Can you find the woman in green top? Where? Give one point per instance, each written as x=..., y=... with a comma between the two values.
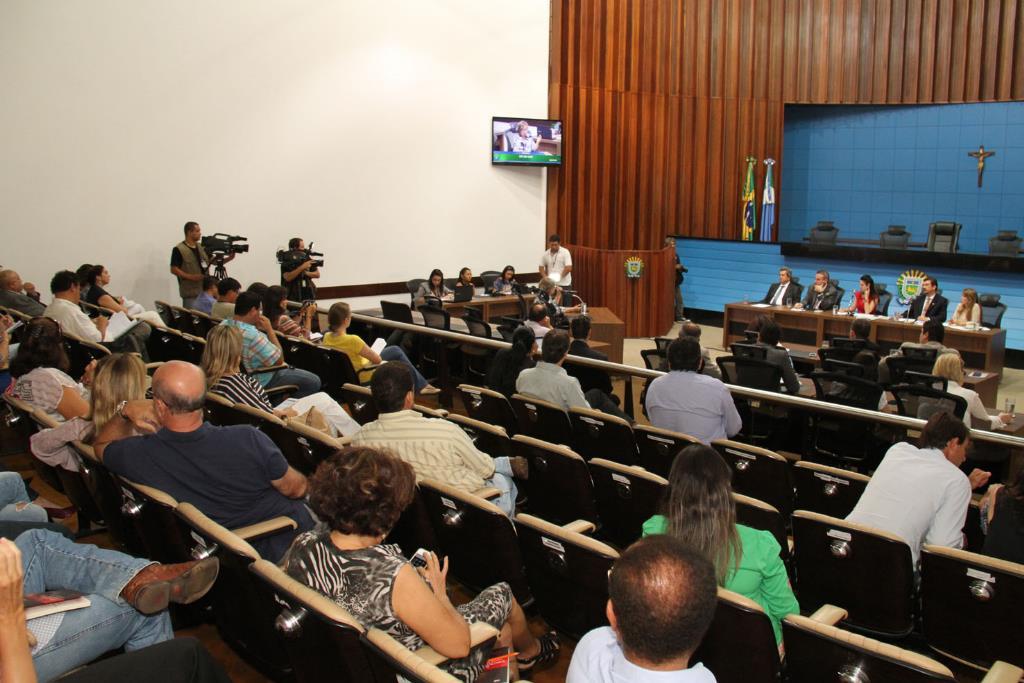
x=699, y=509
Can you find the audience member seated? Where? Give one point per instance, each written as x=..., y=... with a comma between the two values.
x=550, y=295
x=692, y=330
x=508, y=363
x=208, y=297
x=465, y=278
x=128, y=601
x=769, y=337
x=951, y=366
x=699, y=510
x=861, y=329
x=234, y=475
x=1002, y=514
x=506, y=282
x=436, y=449
x=261, y=349
x=550, y=382
x=686, y=401
x=661, y=600
x=15, y=505
x=227, y=292
x=221, y=362
x=339, y=317
x=433, y=288
x=6, y=322
x=968, y=311
x=784, y=292
x=590, y=378
x=929, y=304
x=96, y=279
x=13, y=295
x=360, y=493
x=918, y=492
x=538, y=321
x=259, y=289
x=865, y=299
x=932, y=335
x=822, y=295
x=65, y=310
x=40, y=373
x=275, y=307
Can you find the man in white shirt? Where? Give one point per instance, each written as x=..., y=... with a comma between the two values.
x=783, y=292
x=919, y=492
x=539, y=322
x=556, y=263
x=65, y=310
x=661, y=599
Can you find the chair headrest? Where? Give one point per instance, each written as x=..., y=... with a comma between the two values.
x=824, y=227
x=1006, y=235
x=896, y=230
x=880, y=287
x=988, y=299
x=944, y=228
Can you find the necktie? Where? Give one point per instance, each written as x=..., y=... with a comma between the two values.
x=777, y=299
x=927, y=305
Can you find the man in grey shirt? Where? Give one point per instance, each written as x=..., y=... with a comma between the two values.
x=11, y=295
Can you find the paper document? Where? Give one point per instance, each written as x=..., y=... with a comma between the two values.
x=378, y=345
x=118, y=325
x=761, y=305
x=315, y=336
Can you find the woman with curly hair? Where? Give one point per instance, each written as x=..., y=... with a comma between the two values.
x=360, y=493
x=40, y=372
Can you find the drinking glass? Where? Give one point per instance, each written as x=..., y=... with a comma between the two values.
x=1009, y=404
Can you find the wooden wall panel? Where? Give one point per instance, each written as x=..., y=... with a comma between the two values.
x=663, y=99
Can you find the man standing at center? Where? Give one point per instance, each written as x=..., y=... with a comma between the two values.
x=556, y=263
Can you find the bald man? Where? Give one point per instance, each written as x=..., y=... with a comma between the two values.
x=234, y=475
x=13, y=296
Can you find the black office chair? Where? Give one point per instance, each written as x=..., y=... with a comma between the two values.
x=920, y=359
x=894, y=237
x=943, y=236
x=824, y=233
x=840, y=292
x=749, y=351
x=920, y=401
x=413, y=286
x=654, y=359
x=487, y=278
x=747, y=372
x=399, y=313
x=836, y=438
x=1004, y=243
x=933, y=381
x=991, y=310
x=884, y=299
x=848, y=345
x=842, y=366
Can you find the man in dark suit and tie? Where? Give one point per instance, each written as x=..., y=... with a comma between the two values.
x=590, y=378
x=785, y=292
x=822, y=296
x=929, y=305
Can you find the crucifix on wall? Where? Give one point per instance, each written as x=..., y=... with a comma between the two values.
x=981, y=155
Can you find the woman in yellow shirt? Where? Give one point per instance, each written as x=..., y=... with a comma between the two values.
x=339, y=317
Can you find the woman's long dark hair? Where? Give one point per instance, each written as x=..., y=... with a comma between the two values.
x=92, y=275
x=272, y=307
x=506, y=367
x=42, y=347
x=430, y=285
x=872, y=292
x=508, y=269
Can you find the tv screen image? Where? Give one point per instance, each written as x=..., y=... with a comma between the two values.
x=526, y=142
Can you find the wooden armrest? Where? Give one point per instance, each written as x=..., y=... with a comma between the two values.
x=368, y=368
x=153, y=366
x=479, y=632
x=829, y=614
x=270, y=368
x=283, y=389
x=267, y=527
x=580, y=526
x=1001, y=672
x=487, y=492
x=791, y=457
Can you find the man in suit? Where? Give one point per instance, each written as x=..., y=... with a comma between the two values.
x=590, y=378
x=861, y=329
x=929, y=305
x=822, y=296
x=785, y=292
x=769, y=336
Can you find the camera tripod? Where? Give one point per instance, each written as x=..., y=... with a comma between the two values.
x=219, y=271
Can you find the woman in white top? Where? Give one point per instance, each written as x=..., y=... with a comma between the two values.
x=968, y=310
x=40, y=373
x=951, y=366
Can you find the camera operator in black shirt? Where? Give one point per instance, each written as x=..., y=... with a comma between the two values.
x=299, y=267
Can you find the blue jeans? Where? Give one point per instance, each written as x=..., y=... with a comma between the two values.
x=307, y=382
x=13, y=495
x=50, y=562
x=396, y=353
x=502, y=480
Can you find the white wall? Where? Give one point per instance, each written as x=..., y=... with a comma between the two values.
x=363, y=126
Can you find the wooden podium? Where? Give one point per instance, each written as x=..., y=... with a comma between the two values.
x=644, y=304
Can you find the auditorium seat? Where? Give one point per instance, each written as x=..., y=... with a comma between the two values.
x=413, y=286
x=894, y=237
x=414, y=530
x=838, y=562
x=835, y=437
x=884, y=299
x=541, y=420
x=19, y=418
x=567, y=572
x=749, y=350
x=827, y=490
x=758, y=514
x=925, y=379
x=221, y=411
x=359, y=401
x=991, y=310
x=163, y=309
x=654, y=359
x=739, y=646
x=969, y=603
x=626, y=498
x=166, y=344
x=921, y=401
x=559, y=488
x=304, y=447
x=489, y=438
x=600, y=435
x=487, y=279
x=943, y=236
x=487, y=405
x=659, y=447
x=1004, y=243
x=758, y=473
x=397, y=312
x=824, y=233
x=332, y=366
x=106, y=491
x=151, y=512
x=181, y=320
x=840, y=292
x=750, y=373
x=201, y=323
x=81, y=352
x=477, y=537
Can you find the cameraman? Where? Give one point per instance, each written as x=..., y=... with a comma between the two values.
x=298, y=279
x=189, y=264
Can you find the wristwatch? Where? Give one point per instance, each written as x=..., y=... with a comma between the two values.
x=120, y=409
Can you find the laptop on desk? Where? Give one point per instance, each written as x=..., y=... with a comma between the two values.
x=463, y=294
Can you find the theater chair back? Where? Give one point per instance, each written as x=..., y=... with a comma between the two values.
x=81, y=352
x=477, y=537
x=971, y=606
x=837, y=562
x=758, y=473
x=151, y=513
x=739, y=620
x=414, y=529
x=659, y=447
x=758, y=514
x=542, y=420
x=302, y=446
x=359, y=401
x=488, y=406
x=600, y=435
x=626, y=498
x=827, y=490
x=488, y=438
x=559, y=488
x=106, y=491
x=568, y=574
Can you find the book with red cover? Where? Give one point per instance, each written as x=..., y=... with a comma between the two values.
x=51, y=602
x=498, y=668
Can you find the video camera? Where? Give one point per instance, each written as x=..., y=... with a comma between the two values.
x=221, y=244
x=291, y=259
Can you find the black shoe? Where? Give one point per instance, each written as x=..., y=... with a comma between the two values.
x=549, y=647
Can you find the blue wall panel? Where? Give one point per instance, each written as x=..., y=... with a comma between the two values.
x=865, y=167
x=723, y=272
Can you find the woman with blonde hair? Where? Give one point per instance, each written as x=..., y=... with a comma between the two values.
x=698, y=509
x=222, y=360
x=968, y=310
x=951, y=367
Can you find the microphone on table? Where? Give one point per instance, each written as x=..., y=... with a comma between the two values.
x=583, y=304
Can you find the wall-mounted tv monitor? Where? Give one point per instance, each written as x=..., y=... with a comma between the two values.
x=516, y=141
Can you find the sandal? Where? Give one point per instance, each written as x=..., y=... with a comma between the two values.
x=549, y=647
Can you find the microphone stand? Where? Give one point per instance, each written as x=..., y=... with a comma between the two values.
x=583, y=304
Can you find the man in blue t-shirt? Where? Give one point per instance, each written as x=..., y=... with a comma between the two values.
x=234, y=475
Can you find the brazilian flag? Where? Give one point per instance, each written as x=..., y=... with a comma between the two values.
x=749, y=207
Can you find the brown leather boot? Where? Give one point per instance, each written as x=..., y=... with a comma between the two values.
x=154, y=587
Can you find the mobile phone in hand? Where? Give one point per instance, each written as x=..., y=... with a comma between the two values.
x=419, y=558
